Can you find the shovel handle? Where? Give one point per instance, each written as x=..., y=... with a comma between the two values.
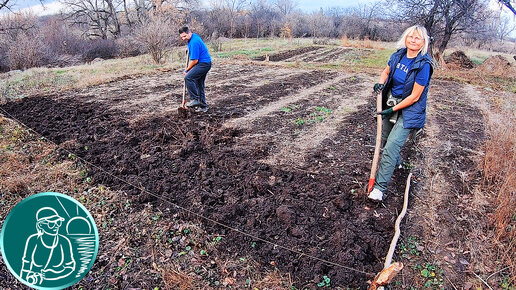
x=376, y=156
x=184, y=83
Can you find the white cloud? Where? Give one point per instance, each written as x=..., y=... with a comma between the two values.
x=45, y=9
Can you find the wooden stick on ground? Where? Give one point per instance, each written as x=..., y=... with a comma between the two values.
x=391, y=269
x=397, y=231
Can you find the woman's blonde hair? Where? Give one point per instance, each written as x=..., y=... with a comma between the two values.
x=422, y=31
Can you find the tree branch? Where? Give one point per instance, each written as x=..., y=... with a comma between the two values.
x=508, y=4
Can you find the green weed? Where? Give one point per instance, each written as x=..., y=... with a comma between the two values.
x=300, y=121
x=410, y=248
x=407, y=165
x=289, y=108
x=318, y=116
x=507, y=284
x=432, y=274
x=323, y=110
x=325, y=282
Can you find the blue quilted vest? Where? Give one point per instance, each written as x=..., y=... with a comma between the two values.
x=414, y=116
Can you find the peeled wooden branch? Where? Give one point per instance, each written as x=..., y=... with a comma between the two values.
x=391, y=269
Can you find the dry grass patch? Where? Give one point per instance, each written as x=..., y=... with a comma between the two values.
x=365, y=43
x=19, y=84
x=499, y=177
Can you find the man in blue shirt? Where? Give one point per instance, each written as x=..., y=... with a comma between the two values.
x=198, y=67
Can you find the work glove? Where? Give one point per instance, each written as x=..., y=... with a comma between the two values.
x=378, y=87
x=386, y=112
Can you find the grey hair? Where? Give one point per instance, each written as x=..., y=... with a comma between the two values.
x=421, y=30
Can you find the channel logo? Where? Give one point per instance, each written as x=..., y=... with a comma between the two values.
x=49, y=241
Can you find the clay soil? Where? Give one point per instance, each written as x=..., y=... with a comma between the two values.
x=280, y=161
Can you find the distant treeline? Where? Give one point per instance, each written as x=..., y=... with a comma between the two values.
x=92, y=29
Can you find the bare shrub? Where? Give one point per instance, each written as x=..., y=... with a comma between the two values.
x=13, y=24
x=62, y=60
x=345, y=41
x=128, y=46
x=100, y=48
x=156, y=36
x=216, y=44
x=357, y=43
x=20, y=45
x=60, y=38
x=25, y=52
x=321, y=41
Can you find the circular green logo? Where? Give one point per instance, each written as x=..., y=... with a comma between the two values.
x=49, y=241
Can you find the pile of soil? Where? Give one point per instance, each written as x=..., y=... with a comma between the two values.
x=458, y=59
x=496, y=65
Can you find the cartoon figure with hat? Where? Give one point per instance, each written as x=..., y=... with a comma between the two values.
x=48, y=255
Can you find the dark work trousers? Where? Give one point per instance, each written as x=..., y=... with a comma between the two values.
x=195, y=82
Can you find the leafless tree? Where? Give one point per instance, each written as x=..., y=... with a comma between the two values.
x=8, y=4
x=156, y=35
x=320, y=25
x=262, y=15
x=285, y=7
x=509, y=4
x=233, y=8
x=4, y=4
x=504, y=26
x=101, y=16
x=442, y=18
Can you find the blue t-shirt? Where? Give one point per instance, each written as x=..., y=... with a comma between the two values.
x=198, y=49
x=400, y=75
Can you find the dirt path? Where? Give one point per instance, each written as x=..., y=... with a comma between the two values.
x=445, y=205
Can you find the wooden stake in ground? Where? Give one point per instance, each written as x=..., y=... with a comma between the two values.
x=376, y=156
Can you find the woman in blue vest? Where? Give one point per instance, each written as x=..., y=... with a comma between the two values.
x=404, y=85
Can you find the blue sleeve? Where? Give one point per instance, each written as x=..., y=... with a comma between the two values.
x=423, y=76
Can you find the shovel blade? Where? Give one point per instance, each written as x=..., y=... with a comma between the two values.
x=182, y=112
x=370, y=185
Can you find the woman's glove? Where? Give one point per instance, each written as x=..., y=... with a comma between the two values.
x=386, y=112
x=378, y=87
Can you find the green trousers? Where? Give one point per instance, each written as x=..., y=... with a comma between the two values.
x=393, y=138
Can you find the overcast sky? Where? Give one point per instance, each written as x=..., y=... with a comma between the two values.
x=306, y=5
x=52, y=6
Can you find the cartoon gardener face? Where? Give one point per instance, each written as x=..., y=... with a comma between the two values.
x=48, y=221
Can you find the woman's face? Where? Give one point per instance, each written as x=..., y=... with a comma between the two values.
x=414, y=41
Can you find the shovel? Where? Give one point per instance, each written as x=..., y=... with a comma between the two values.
x=183, y=110
x=376, y=156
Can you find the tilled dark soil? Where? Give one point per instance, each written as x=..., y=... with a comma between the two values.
x=318, y=210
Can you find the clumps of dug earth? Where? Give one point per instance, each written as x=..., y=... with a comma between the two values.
x=459, y=60
x=498, y=65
